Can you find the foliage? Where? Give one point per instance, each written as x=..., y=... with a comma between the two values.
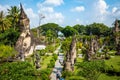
x=98, y=29
x=42, y=52
x=45, y=74
x=4, y=22
x=13, y=16
x=80, y=28
x=51, y=64
x=90, y=70
x=6, y=52
x=66, y=44
x=69, y=31
x=51, y=26
x=17, y=71
x=50, y=48
x=55, y=56
x=50, y=36
x=9, y=37
x=66, y=74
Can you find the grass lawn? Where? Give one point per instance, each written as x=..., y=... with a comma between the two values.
x=107, y=77
x=115, y=62
x=46, y=61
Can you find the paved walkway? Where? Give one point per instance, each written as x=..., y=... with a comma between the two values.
x=58, y=66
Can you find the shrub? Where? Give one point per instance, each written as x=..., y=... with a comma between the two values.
x=17, y=71
x=6, y=52
x=44, y=74
x=55, y=56
x=51, y=64
x=66, y=74
x=91, y=70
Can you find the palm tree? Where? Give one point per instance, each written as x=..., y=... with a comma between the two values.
x=13, y=15
x=4, y=22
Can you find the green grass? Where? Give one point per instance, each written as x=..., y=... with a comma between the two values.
x=107, y=77
x=75, y=78
x=46, y=61
x=115, y=62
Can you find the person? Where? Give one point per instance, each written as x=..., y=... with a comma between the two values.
x=62, y=79
x=58, y=75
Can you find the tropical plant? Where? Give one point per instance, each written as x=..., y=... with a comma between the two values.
x=4, y=22
x=13, y=15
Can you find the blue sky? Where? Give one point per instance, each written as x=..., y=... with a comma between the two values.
x=67, y=12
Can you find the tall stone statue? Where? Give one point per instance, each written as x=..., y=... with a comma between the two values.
x=117, y=35
x=25, y=41
x=71, y=56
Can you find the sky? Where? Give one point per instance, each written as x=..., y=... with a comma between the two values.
x=67, y=12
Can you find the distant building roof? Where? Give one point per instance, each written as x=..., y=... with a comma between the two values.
x=40, y=47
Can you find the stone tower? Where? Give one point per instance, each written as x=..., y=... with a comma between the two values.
x=25, y=43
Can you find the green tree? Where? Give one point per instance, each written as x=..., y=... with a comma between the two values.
x=50, y=36
x=69, y=31
x=4, y=22
x=80, y=28
x=98, y=29
x=50, y=26
x=13, y=15
x=9, y=37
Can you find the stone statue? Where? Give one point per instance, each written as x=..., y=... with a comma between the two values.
x=71, y=56
x=25, y=40
x=117, y=37
x=37, y=61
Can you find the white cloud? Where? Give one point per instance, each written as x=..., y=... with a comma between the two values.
x=55, y=17
x=4, y=8
x=34, y=19
x=114, y=9
x=100, y=11
x=46, y=9
x=30, y=13
x=115, y=12
x=78, y=9
x=101, y=7
x=51, y=16
x=53, y=2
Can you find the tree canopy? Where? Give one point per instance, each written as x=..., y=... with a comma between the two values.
x=50, y=26
x=69, y=31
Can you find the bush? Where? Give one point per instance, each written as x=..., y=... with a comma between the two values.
x=66, y=74
x=9, y=37
x=44, y=74
x=55, y=56
x=90, y=70
x=6, y=52
x=50, y=48
x=51, y=64
x=17, y=71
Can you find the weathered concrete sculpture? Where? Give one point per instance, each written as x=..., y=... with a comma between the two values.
x=92, y=48
x=117, y=35
x=25, y=41
x=72, y=51
x=71, y=56
x=37, y=61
